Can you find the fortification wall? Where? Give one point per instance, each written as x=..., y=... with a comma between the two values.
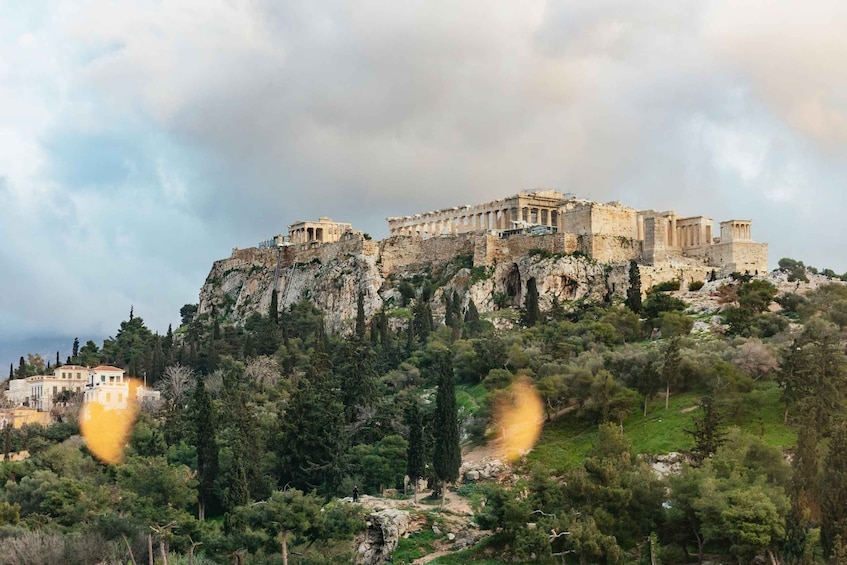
x=652, y=275
x=614, y=221
x=740, y=256
x=397, y=252
x=612, y=249
x=577, y=220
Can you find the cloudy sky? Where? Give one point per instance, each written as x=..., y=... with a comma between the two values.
x=140, y=141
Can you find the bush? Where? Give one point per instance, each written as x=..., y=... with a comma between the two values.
x=695, y=286
x=666, y=286
x=674, y=324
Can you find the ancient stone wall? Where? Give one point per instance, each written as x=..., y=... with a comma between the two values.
x=403, y=251
x=611, y=249
x=738, y=256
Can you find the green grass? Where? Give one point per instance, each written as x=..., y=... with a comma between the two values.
x=563, y=444
x=414, y=547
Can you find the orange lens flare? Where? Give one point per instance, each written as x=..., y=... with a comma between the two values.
x=106, y=423
x=519, y=417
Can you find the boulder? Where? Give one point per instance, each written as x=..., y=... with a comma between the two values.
x=380, y=539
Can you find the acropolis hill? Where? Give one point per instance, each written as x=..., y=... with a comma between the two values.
x=576, y=249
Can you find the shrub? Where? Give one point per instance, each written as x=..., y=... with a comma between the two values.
x=695, y=286
x=666, y=286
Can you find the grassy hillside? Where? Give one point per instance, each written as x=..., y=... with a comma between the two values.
x=563, y=443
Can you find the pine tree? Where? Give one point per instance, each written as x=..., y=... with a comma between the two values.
x=415, y=459
x=706, y=432
x=633, y=293
x=447, y=457
x=834, y=490
x=531, y=314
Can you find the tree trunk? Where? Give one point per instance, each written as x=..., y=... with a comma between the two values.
x=129, y=548
x=415, y=492
x=284, y=547
x=201, y=509
x=645, y=406
x=443, y=493
x=163, y=551
x=667, y=395
x=150, y=548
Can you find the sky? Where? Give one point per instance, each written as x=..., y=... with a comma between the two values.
x=141, y=141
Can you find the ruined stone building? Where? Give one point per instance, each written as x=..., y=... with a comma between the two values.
x=608, y=232
x=324, y=230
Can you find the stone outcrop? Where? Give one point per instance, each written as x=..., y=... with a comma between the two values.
x=384, y=529
x=491, y=271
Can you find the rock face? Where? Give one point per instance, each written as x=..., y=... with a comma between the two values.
x=380, y=539
x=492, y=272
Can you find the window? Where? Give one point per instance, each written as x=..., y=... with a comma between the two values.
x=102, y=378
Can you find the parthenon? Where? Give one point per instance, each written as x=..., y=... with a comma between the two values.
x=540, y=207
x=607, y=231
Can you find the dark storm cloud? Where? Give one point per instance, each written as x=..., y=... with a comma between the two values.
x=146, y=139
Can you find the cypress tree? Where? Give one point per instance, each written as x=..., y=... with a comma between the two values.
x=448, y=310
x=473, y=324
x=21, y=368
x=415, y=460
x=447, y=456
x=531, y=314
x=360, y=316
x=273, y=310
x=75, y=355
x=11, y=371
x=58, y=363
x=207, y=447
x=633, y=293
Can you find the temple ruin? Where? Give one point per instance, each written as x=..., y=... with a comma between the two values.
x=608, y=232
x=322, y=231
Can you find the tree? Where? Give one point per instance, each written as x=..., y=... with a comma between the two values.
x=473, y=324
x=447, y=457
x=273, y=309
x=415, y=457
x=633, y=293
x=312, y=438
x=647, y=382
x=207, y=447
x=671, y=367
x=813, y=375
x=75, y=354
x=706, y=433
x=187, y=314
x=360, y=316
x=834, y=491
x=531, y=314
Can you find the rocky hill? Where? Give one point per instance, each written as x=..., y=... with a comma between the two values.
x=492, y=272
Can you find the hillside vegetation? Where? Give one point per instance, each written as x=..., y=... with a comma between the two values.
x=265, y=429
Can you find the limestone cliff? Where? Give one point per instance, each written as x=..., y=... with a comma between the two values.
x=492, y=273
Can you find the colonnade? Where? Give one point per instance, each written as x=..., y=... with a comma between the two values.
x=451, y=222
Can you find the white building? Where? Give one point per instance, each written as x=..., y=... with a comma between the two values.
x=111, y=388
x=42, y=391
